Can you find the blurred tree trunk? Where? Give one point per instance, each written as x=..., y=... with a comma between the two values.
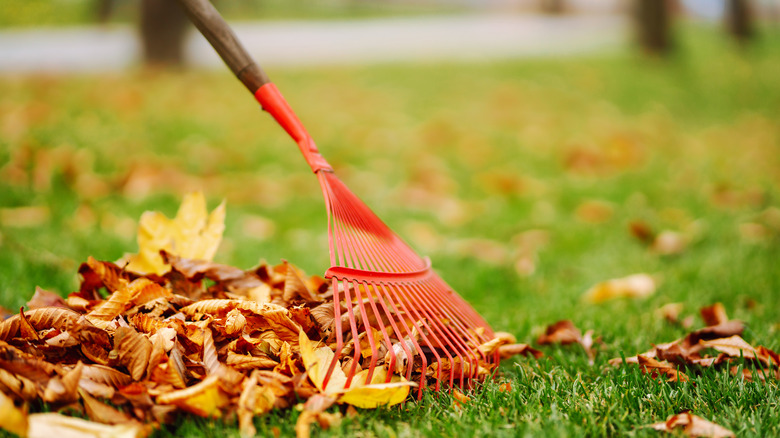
x=739, y=20
x=553, y=6
x=103, y=10
x=163, y=24
x=652, y=20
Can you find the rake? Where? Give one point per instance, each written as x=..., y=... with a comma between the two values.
x=386, y=290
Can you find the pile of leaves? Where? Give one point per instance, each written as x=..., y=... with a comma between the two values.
x=718, y=345
x=167, y=331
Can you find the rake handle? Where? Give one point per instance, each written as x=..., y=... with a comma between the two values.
x=211, y=24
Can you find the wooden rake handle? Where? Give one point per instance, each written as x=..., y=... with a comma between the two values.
x=211, y=24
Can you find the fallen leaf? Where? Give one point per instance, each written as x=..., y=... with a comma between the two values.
x=656, y=369
x=12, y=418
x=733, y=346
x=317, y=361
x=507, y=351
x=633, y=286
x=44, y=298
x=205, y=398
x=193, y=234
x=714, y=314
x=669, y=243
x=692, y=426
x=562, y=332
x=61, y=426
x=459, y=398
x=594, y=211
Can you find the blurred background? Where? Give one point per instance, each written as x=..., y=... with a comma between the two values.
x=531, y=147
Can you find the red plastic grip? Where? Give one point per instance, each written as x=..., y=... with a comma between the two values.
x=274, y=103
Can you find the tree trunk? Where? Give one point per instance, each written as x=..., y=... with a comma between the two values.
x=553, y=7
x=739, y=20
x=653, y=26
x=163, y=24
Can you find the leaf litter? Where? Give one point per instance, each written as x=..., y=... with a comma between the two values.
x=167, y=331
x=717, y=345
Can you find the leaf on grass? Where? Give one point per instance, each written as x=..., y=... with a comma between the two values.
x=692, y=426
x=714, y=314
x=205, y=398
x=307, y=418
x=460, y=398
x=193, y=234
x=657, y=369
x=562, y=332
x=60, y=426
x=378, y=394
x=733, y=346
x=507, y=351
x=633, y=286
x=669, y=242
x=318, y=360
x=12, y=419
x=102, y=412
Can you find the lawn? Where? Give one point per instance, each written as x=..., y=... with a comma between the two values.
x=519, y=178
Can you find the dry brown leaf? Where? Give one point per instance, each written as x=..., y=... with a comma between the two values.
x=714, y=314
x=656, y=369
x=459, y=398
x=562, y=332
x=102, y=412
x=44, y=298
x=507, y=351
x=132, y=349
x=633, y=286
x=692, y=426
x=64, y=389
x=733, y=346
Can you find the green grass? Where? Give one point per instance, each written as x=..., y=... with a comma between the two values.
x=28, y=13
x=457, y=158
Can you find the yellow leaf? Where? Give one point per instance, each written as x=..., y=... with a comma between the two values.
x=61, y=426
x=204, y=398
x=12, y=418
x=633, y=286
x=317, y=361
x=193, y=234
x=360, y=394
x=378, y=394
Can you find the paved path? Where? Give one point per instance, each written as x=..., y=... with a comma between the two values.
x=282, y=43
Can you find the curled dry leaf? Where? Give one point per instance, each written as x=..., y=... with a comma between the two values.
x=44, y=298
x=692, y=426
x=691, y=351
x=714, y=314
x=633, y=286
x=565, y=332
x=507, y=351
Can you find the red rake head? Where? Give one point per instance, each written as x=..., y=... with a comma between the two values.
x=390, y=308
